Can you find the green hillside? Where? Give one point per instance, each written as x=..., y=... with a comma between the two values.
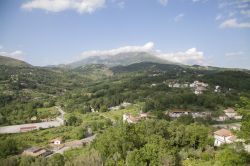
x=12, y=62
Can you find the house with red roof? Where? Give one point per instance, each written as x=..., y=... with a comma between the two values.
x=223, y=136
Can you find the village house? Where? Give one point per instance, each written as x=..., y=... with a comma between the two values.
x=217, y=89
x=36, y=152
x=56, y=141
x=133, y=119
x=232, y=114
x=221, y=118
x=178, y=112
x=223, y=136
x=229, y=113
x=201, y=114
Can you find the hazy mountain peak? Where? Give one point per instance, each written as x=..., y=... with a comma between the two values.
x=123, y=58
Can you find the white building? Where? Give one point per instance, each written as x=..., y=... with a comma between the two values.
x=56, y=141
x=232, y=114
x=178, y=112
x=198, y=87
x=223, y=136
x=217, y=89
x=133, y=119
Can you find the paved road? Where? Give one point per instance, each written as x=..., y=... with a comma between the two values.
x=16, y=128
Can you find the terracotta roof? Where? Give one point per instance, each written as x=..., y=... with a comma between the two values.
x=223, y=133
x=229, y=110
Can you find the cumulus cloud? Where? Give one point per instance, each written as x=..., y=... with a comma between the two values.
x=18, y=54
x=81, y=6
x=190, y=56
x=126, y=49
x=233, y=23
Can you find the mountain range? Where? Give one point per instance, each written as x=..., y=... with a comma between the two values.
x=121, y=59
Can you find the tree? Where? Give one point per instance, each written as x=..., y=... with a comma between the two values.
x=56, y=160
x=73, y=121
x=229, y=157
x=244, y=109
x=186, y=119
x=93, y=158
x=8, y=147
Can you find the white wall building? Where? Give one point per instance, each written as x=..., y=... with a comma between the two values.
x=223, y=136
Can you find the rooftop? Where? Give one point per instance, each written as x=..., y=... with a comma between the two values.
x=229, y=110
x=223, y=133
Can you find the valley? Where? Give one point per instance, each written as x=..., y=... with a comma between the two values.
x=130, y=114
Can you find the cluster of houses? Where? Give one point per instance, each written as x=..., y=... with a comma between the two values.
x=197, y=87
x=229, y=113
x=127, y=117
x=54, y=145
x=176, y=113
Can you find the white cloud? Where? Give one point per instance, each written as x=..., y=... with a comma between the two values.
x=1, y=47
x=191, y=56
x=81, y=6
x=127, y=49
x=18, y=54
x=163, y=2
x=233, y=23
x=178, y=17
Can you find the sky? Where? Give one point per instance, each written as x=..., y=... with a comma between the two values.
x=50, y=32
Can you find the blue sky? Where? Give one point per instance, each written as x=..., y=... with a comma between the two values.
x=206, y=32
